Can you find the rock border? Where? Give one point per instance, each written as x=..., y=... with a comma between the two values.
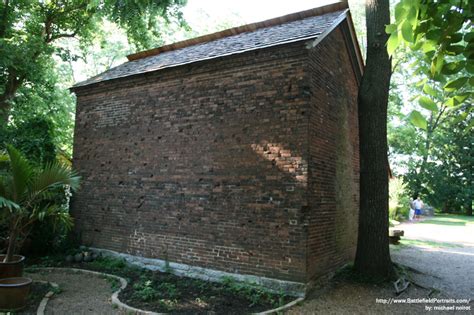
x=282, y=308
x=123, y=284
x=46, y=298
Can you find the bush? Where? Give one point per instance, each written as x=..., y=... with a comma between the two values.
x=399, y=200
x=34, y=138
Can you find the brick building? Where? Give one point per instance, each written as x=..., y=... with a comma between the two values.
x=231, y=153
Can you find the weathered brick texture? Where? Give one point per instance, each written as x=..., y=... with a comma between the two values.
x=334, y=157
x=245, y=163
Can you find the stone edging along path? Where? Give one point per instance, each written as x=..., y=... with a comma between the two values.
x=47, y=296
x=123, y=284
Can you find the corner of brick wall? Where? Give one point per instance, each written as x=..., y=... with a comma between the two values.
x=334, y=158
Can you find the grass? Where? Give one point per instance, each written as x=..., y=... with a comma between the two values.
x=407, y=242
x=450, y=219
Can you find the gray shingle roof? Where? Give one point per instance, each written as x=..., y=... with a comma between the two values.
x=307, y=28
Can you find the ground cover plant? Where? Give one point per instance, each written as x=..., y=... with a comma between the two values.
x=165, y=292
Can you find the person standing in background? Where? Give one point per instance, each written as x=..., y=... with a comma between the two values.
x=418, y=204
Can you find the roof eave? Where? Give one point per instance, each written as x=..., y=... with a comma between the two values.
x=79, y=85
x=338, y=6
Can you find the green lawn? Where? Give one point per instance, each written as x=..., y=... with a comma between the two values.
x=450, y=219
x=408, y=242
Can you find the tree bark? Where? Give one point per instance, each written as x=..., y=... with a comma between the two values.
x=469, y=209
x=4, y=19
x=373, y=254
x=11, y=245
x=13, y=83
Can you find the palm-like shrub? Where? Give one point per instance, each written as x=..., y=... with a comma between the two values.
x=26, y=194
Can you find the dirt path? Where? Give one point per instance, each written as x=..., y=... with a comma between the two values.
x=80, y=293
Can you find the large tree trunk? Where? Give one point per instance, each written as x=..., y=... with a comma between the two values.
x=373, y=254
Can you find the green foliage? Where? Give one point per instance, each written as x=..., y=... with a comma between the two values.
x=109, y=264
x=441, y=34
x=426, y=102
x=31, y=33
x=45, y=99
x=144, y=290
x=36, y=138
x=26, y=194
x=423, y=126
x=398, y=200
x=418, y=120
x=254, y=293
x=441, y=28
x=442, y=174
x=33, y=137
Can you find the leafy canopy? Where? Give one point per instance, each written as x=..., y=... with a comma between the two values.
x=441, y=32
x=29, y=30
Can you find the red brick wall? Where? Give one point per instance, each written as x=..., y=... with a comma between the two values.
x=227, y=164
x=203, y=164
x=334, y=158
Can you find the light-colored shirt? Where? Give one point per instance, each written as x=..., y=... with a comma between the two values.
x=418, y=204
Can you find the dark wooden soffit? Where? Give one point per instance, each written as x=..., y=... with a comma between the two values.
x=355, y=44
x=241, y=29
x=352, y=45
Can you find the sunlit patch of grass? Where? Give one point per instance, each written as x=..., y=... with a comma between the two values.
x=422, y=243
x=450, y=219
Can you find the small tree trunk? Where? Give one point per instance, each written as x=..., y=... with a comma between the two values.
x=11, y=246
x=4, y=109
x=469, y=209
x=373, y=254
x=13, y=83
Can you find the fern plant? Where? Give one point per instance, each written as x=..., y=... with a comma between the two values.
x=25, y=196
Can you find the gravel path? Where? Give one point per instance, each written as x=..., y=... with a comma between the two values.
x=353, y=298
x=455, y=234
x=448, y=265
x=445, y=257
x=448, y=269
x=80, y=293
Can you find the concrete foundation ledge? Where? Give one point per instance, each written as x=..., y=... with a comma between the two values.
x=296, y=289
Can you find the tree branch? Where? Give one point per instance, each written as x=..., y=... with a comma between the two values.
x=3, y=27
x=58, y=36
x=437, y=120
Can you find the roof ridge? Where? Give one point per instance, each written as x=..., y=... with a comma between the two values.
x=241, y=29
